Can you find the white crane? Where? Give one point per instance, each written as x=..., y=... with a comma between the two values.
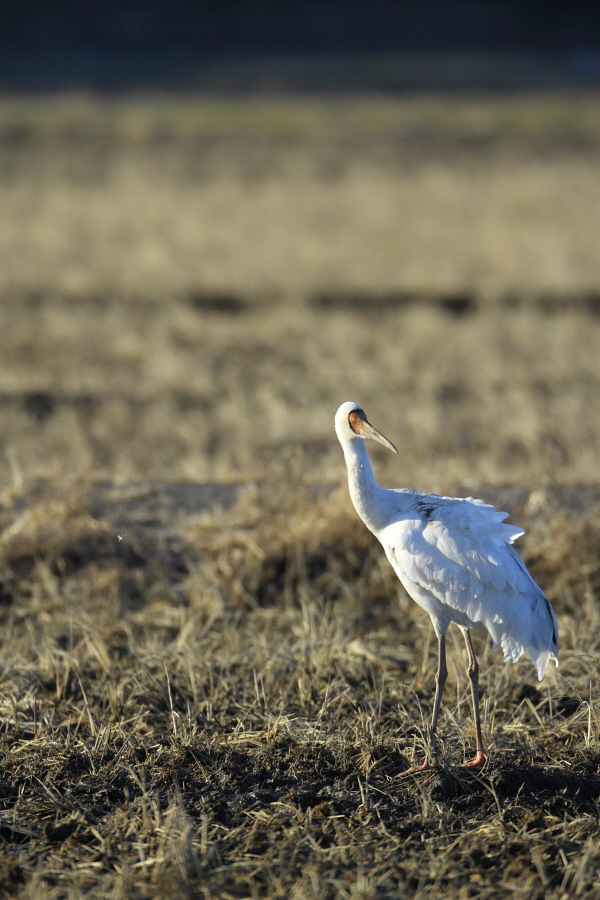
x=455, y=559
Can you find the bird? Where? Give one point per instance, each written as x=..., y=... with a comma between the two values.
x=454, y=557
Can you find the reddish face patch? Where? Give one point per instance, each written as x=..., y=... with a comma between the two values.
x=355, y=420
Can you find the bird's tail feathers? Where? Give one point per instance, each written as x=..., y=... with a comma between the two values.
x=541, y=650
x=541, y=660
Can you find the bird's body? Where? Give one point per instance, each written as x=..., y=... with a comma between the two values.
x=455, y=558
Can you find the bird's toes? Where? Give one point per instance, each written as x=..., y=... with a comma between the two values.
x=413, y=769
x=477, y=762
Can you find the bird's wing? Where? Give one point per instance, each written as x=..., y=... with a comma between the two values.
x=473, y=535
x=457, y=554
x=456, y=547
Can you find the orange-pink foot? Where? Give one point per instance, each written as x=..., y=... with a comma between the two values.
x=478, y=762
x=413, y=769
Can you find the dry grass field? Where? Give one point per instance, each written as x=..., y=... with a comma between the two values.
x=209, y=674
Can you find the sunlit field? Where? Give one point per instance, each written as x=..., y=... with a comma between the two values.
x=210, y=675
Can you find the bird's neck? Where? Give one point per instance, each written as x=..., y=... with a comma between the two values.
x=367, y=496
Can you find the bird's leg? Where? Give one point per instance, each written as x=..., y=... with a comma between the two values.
x=440, y=681
x=473, y=673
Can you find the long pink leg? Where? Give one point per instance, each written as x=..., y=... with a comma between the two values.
x=473, y=673
x=440, y=681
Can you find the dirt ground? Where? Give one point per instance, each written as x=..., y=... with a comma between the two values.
x=209, y=674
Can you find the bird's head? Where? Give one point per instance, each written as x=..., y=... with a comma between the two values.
x=351, y=423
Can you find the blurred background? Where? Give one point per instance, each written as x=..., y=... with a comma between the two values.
x=220, y=220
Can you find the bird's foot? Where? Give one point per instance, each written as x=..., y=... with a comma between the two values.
x=479, y=760
x=413, y=769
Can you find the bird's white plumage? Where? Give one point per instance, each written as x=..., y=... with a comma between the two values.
x=454, y=557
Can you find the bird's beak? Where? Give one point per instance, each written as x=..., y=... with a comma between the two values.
x=367, y=431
